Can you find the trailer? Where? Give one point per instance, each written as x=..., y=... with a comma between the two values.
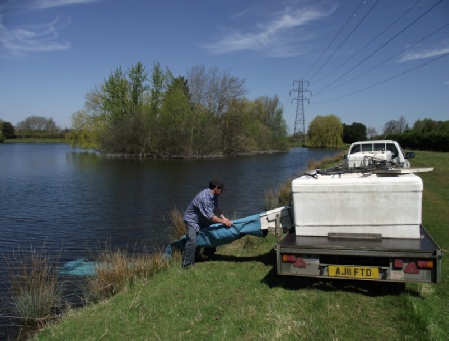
x=356, y=225
x=356, y=257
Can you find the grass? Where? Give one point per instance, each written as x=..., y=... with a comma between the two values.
x=238, y=296
x=117, y=270
x=36, y=295
x=36, y=140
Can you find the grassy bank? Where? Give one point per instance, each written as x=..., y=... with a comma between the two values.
x=37, y=140
x=238, y=296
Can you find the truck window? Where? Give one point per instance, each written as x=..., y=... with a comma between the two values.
x=379, y=146
x=367, y=147
x=355, y=149
x=392, y=148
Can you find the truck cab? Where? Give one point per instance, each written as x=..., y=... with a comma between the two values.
x=366, y=153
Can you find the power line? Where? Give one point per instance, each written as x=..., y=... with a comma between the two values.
x=386, y=60
x=369, y=43
x=353, y=30
x=386, y=80
x=336, y=36
x=379, y=48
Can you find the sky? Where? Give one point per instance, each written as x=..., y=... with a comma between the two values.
x=365, y=61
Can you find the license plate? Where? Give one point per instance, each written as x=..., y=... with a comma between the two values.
x=353, y=271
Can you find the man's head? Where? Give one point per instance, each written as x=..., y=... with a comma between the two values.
x=216, y=183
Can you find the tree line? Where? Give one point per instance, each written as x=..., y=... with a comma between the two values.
x=160, y=115
x=204, y=113
x=31, y=127
x=425, y=134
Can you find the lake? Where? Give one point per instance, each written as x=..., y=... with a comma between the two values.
x=71, y=201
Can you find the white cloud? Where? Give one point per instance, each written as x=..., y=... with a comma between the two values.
x=35, y=38
x=59, y=3
x=425, y=53
x=277, y=37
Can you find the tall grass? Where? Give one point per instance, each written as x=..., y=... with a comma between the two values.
x=177, y=227
x=116, y=270
x=36, y=294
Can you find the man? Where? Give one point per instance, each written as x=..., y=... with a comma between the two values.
x=202, y=212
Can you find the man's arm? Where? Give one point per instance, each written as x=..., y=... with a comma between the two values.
x=222, y=220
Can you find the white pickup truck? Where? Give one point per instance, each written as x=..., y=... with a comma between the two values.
x=368, y=153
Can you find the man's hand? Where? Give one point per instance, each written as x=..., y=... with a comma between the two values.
x=227, y=222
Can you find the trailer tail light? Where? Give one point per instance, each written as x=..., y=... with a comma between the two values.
x=398, y=263
x=425, y=264
x=288, y=258
x=411, y=268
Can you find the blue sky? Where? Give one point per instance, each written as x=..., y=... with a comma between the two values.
x=365, y=61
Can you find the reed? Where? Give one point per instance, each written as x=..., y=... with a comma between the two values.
x=35, y=293
x=117, y=270
x=177, y=228
x=271, y=199
x=327, y=161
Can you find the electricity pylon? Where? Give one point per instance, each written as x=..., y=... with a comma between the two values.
x=302, y=95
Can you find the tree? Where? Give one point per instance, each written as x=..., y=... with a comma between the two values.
x=86, y=129
x=426, y=125
x=267, y=124
x=396, y=126
x=176, y=123
x=402, y=124
x=371, y=132
x=115, y=100
x=235, y=127
x=7, y=130
x=213, y=89
x=325, y=132
x=137, y=78
x=158, y=79
x=391, y=127
x=354, y=132
x=35, y=124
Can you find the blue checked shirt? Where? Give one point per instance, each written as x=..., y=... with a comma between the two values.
x=201, y=210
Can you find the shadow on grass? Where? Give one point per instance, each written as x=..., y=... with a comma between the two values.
x=273, y=280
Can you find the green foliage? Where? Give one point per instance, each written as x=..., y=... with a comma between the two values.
x=86, y=130
x=176, y=121
x=354, y=132
x=433, y=141
x=165, y=118
x=115, y=100
x=157, y=81
x=428, y=125
x=234, y=126
x=7, y=129
x=129, y=136
x=325, y=132
x=38, y=127
x=426, y=134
